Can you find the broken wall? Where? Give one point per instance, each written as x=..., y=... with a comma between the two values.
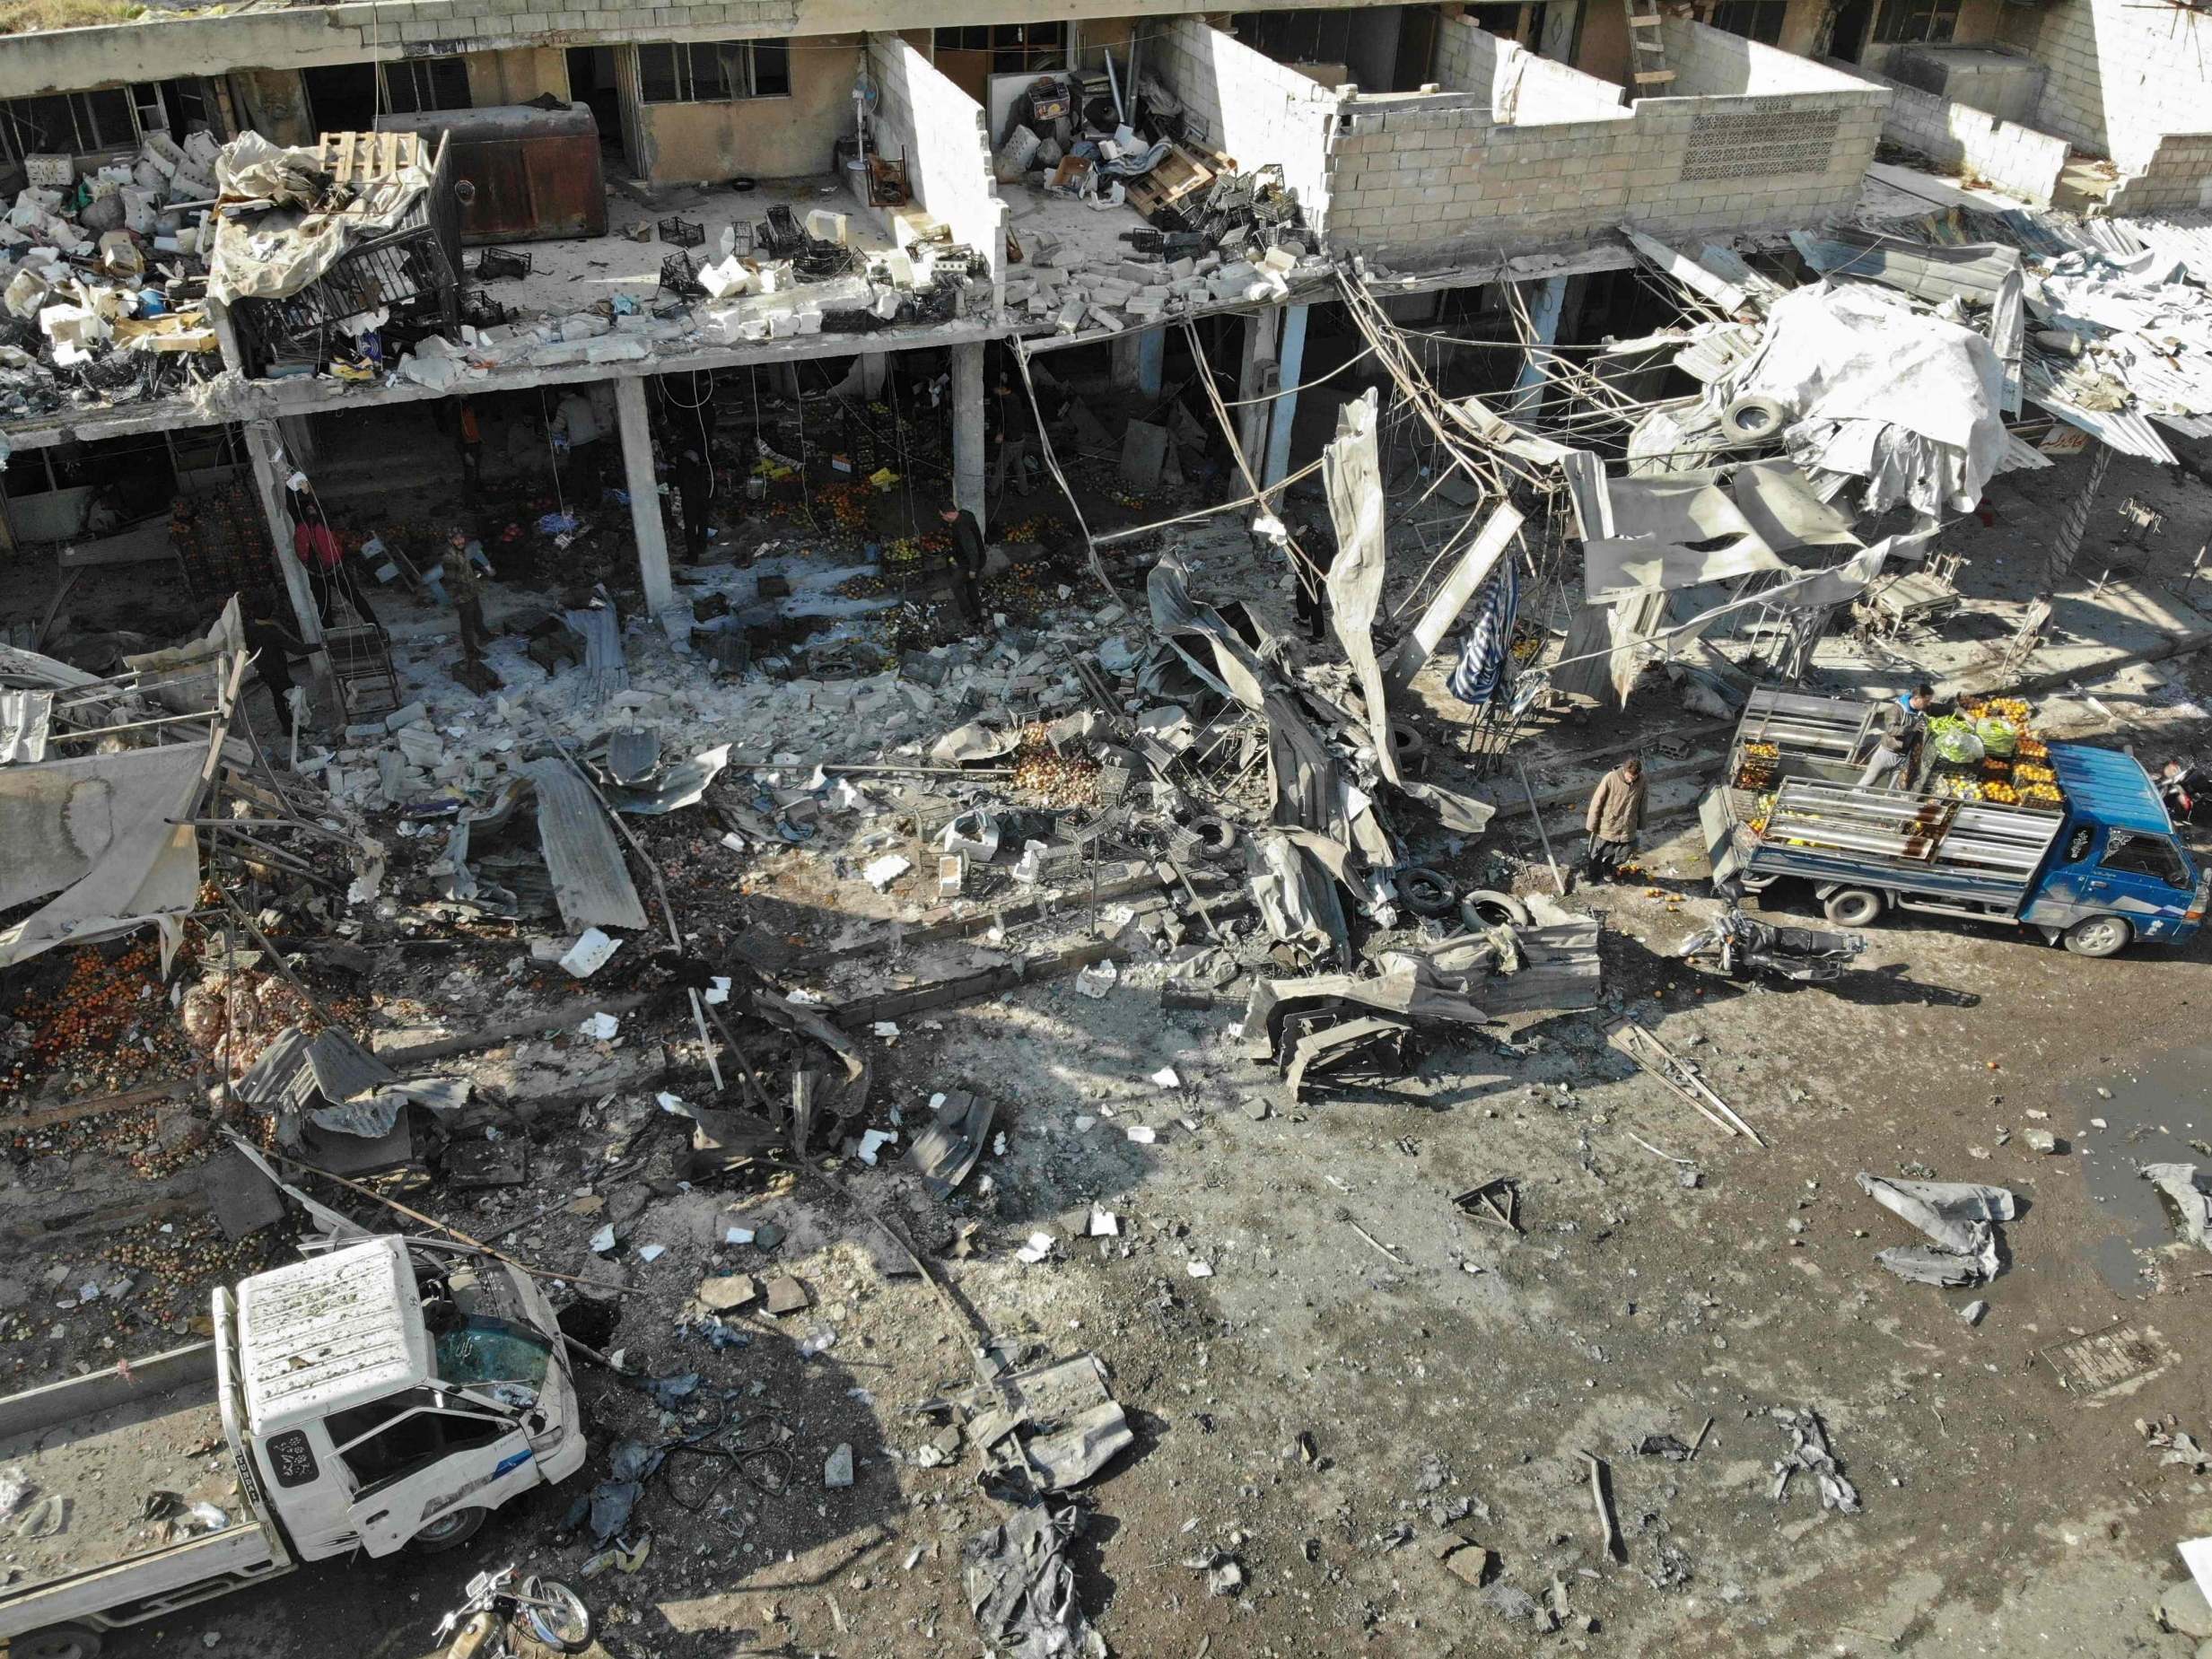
x=940, y=131
x=2122, y=73
x=2010, y=156
x=789, y=137
x=2177, y=178
x=1521, y=155
x=1256, y=110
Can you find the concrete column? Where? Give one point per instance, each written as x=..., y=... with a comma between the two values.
x=264, y=445
x=1125, y=360
x=1151, y=361
x=299, y=438
x=637, y=472
x=1254, y=380
x=1283, y=411
x=1545, y=306
x=967, y=432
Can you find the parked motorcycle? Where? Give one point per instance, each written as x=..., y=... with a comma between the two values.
x=1809, y=956
x=551, y=1614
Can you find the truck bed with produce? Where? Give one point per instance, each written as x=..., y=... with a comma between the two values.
x=2065, y=838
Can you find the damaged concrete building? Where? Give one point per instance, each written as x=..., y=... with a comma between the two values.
x=1045, y=752
x=904, y=212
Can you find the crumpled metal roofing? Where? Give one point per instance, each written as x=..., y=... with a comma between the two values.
x=2128, y=430
x=590, y=882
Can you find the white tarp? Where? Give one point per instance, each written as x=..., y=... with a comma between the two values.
x=96, y=832
x=279, y=228
x=1873, y=388
x=1353, y=470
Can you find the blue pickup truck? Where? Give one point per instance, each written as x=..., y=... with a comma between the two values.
x=2098, y=871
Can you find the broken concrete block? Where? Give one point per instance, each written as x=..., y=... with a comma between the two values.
x=406, y=717
x=825, y=226
x=1144, y=446
x=729, y=1291
x=837, y=1470
x=1071, y=315
x=1277, y=259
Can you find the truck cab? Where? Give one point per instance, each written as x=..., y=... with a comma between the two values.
x=2116, y=872
x=395, y=1391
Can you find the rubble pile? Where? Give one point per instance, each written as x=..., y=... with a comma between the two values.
x=105, y=278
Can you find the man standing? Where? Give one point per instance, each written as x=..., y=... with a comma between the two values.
x=966, y=562
x=1897, y=749
x=273, y=646
x=695, y=488
x=1008, y=429
x=465, y=582
x=1616, y=816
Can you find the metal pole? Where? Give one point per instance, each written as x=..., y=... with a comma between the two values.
x=1542, y=834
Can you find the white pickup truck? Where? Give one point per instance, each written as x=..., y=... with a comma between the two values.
x=391, y=1391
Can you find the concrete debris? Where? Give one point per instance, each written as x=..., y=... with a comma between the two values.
x=1808, y=1452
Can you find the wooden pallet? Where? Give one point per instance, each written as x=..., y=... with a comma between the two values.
x=362, y=158
x=1179, y=174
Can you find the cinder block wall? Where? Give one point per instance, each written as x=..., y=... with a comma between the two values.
x=2177, y=179
x=1255, y=109
x=2123, y=73
x=939, y=129
x=2012, y=157
x=1516, y=158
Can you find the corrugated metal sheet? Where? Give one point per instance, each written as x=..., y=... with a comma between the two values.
x=2126, y=429
x=2021, y=456
x=590, y=882
x=601, y=632
x=2186, y=238
x=1718, y=352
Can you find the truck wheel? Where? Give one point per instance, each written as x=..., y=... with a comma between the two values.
x=450, y=1531
x=68, y=1641
x=2100, y=936
x=1852, y=907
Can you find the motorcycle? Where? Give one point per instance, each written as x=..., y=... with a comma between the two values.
x=551, y=1615
x=1809, y=956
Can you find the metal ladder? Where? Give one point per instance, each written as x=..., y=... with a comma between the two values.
x=1646, y=49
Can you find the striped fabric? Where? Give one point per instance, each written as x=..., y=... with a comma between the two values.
x=1480, y=670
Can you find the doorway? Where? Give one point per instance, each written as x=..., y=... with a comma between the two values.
x=591, y=82
x=341, y=97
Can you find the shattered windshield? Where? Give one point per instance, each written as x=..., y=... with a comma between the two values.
x=482, y=1351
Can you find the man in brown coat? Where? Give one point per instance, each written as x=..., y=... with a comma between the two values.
x=1615, y=816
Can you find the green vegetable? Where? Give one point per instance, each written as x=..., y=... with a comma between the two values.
x=1999, y=740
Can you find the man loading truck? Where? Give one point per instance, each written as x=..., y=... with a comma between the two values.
x=388, y=1392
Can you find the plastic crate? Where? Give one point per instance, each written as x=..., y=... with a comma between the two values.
x=50, y=172
x=680, y=233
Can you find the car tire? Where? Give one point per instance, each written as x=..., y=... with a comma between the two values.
x=2099, y=936
x=1427, y=892
x=450, y=1531
x=67, y=1641
x=1487, y=907
x=1853, y=907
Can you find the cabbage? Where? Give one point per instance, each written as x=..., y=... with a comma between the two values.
x=1999, y=740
